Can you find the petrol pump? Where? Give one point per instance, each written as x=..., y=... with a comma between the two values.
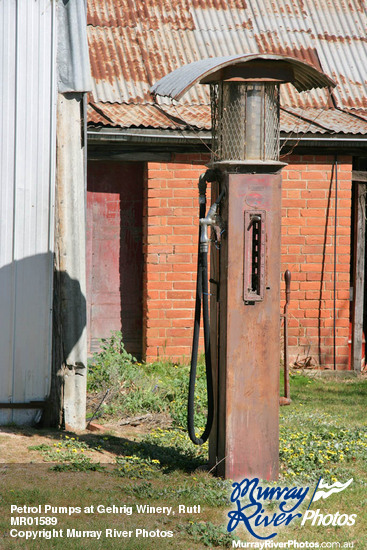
x=243, y=344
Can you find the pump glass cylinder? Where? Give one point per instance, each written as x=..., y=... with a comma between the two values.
x=254, y=123
x=245, y=121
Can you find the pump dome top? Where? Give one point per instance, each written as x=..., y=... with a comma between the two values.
x=250, y=67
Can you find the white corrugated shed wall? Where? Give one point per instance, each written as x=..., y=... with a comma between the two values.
x=27, y=176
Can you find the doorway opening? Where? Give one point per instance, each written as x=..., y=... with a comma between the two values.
x=115, y=253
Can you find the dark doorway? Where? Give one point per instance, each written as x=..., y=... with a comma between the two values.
x=115, y=252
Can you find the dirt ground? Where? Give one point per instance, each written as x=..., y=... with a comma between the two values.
x=15, y=441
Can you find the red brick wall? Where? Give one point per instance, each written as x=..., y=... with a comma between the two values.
x=170, y=248
x=308, y=251
x=171, y=230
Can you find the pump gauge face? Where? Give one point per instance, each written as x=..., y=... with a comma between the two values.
x=254, y=256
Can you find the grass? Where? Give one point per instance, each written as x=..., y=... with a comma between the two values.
x=136, y=388
x=322, y=433
x=324, y=429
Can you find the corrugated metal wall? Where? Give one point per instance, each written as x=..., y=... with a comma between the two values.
x=27, y=146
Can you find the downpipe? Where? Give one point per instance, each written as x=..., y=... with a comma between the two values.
x=202, y=301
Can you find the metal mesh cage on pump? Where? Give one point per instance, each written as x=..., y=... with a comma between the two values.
x=245, y=121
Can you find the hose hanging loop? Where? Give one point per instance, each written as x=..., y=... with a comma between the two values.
x=202, y=301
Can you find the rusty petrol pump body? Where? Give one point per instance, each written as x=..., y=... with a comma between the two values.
x=245, y=270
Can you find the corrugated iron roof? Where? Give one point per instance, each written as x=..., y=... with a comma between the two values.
x=181, y=117
x=134, y=44
x=329, y=120
x=146, y=116
x=359, y=113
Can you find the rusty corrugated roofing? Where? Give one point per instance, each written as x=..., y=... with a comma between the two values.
x=149, y=116
x=128, y=116
x=134, y=44
x=179, y=117
x=330, y=120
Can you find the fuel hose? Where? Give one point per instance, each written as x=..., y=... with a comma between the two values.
x=202, y=301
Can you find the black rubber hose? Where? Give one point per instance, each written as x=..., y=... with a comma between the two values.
x=201, y=299
x=220, y=197
x=208, y=359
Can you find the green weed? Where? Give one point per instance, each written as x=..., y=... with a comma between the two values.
x=208, y=534
x=136, y=467
x=111, y=364
x=201, y=488
x=83, y=464
x=137, y=388
x=68, y=454
x=305, y=454
x=68, y=449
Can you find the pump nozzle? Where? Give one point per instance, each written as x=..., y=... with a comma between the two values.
x=210, y=220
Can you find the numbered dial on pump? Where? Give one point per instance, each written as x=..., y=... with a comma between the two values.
x=254, y=256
